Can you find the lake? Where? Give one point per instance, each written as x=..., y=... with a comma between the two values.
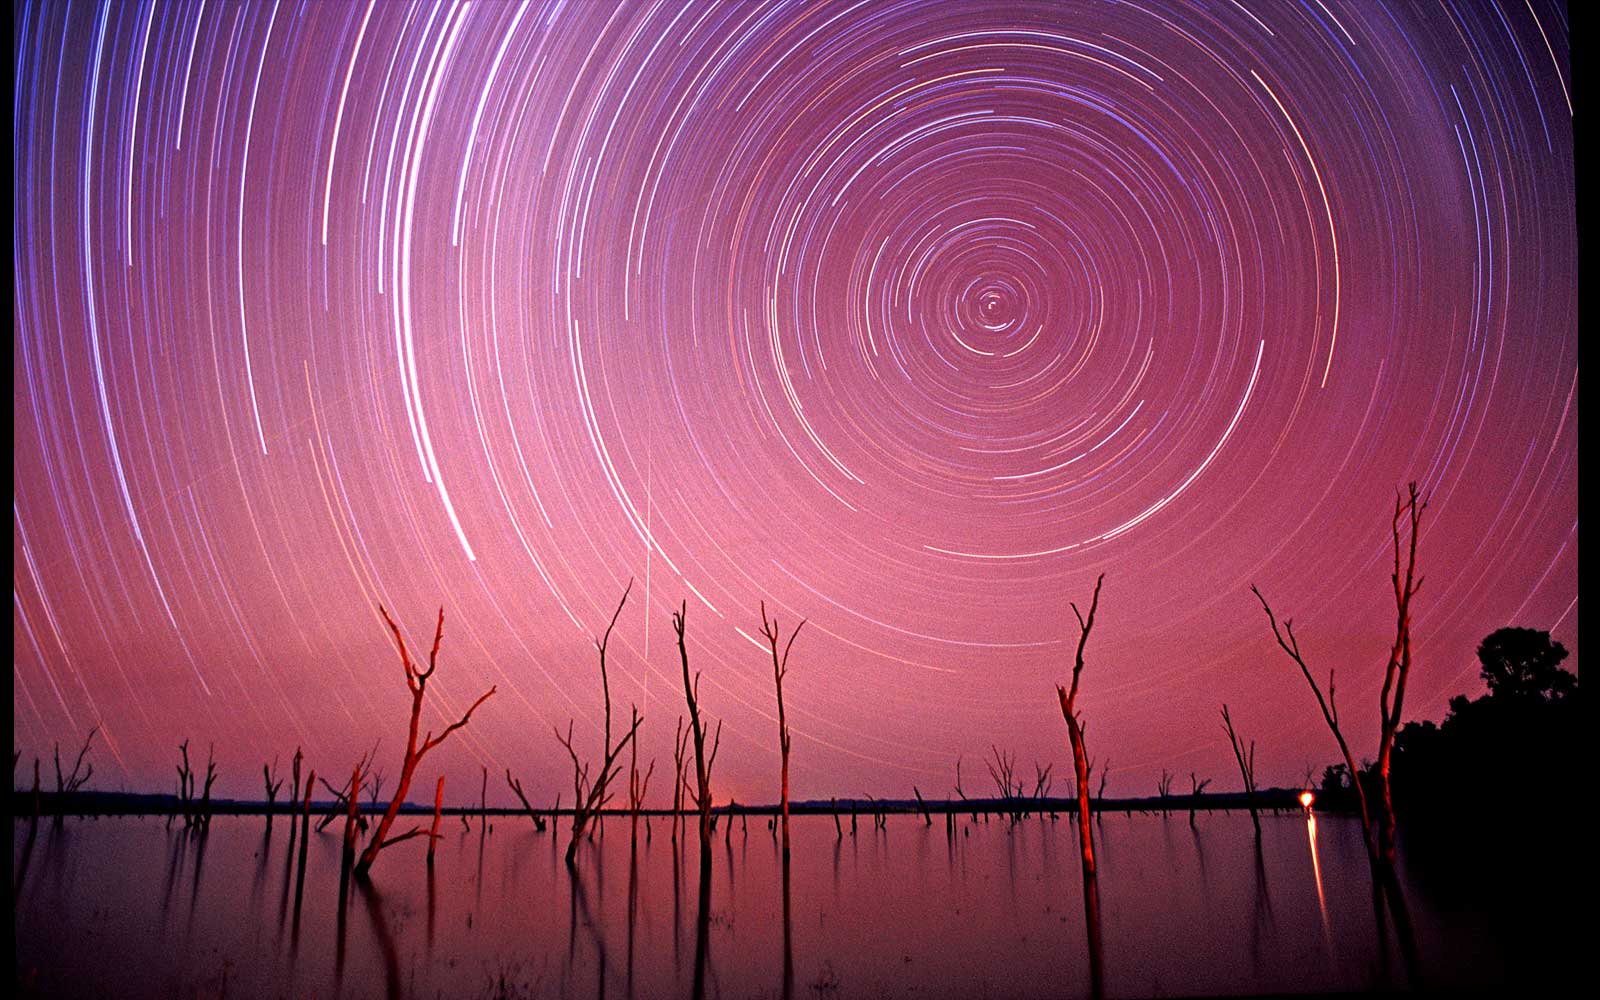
x=125, y=907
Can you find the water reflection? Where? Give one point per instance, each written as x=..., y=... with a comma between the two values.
x=1316, y=873
x=991, y=913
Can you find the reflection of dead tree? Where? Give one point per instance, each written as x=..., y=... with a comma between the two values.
x=1247, y=766
x=780, y=667
x=1398, y=668
x=703, y=761
x=591, y=795
x=1196, y=786
x=1080, y=760
x=516, y=786
x=416, y=682
x=1330, y=712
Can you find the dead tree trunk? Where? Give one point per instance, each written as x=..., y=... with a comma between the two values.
x=294, y=788
x=438, y=807
x=1080, y=762
x=590, y=796
x=69, y=783
x=703, y=761
x=1075, y=729
x=780, y=667
x=1196, y=786
x=211, y=777
x=637, y=785
x=417, y=683
x=267, y=776
x=348, y=855
x=1247, y=766
x=516, y=786
x=680, y=745
x=1399, y=666
x=1330, y=714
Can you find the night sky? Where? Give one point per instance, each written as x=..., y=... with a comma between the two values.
x=908, y=318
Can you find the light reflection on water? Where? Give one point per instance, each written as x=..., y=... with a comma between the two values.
x=127, y=907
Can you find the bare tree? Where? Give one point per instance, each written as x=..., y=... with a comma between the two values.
x=416, y=683
x=347, y=855
x=1247, y=766
x=1105, y=772
x=516, y=786
x=294, y=788
x=680, y=745
x=590, y=795
x=703, y=760
x=1330, y=714
x=269, y=776
x=780, y=667
x=1164, y=787
x=1075, y=729
x=342, y=795
x=211, y=778
x=1398, y=668
x=637, y=785
x=1196, y=786
x=186, y=785
x=74, y=781
x=1002, y=769
x=438, y=807
x=1080, y=762
x=1406, y=523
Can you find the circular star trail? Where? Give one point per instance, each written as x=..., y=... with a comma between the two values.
x=907, y=318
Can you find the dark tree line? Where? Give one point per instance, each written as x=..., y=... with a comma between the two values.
x=1519, y=742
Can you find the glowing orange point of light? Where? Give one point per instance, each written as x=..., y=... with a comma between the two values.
x=1306, y=799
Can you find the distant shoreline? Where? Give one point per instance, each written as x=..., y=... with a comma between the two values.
x=85, y=803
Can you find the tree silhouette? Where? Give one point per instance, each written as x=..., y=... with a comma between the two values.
x=1524, y=738
x=1524, y=663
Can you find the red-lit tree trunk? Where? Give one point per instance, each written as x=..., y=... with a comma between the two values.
x=1399, y=666
x=1080, y=766
x=780, y=667
x=438, y=807
x=417, y=682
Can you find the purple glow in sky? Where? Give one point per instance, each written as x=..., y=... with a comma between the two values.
x=907, y=318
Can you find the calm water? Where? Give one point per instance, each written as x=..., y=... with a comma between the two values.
x=125, y=907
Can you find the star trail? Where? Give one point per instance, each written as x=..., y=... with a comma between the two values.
x=909, y=318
